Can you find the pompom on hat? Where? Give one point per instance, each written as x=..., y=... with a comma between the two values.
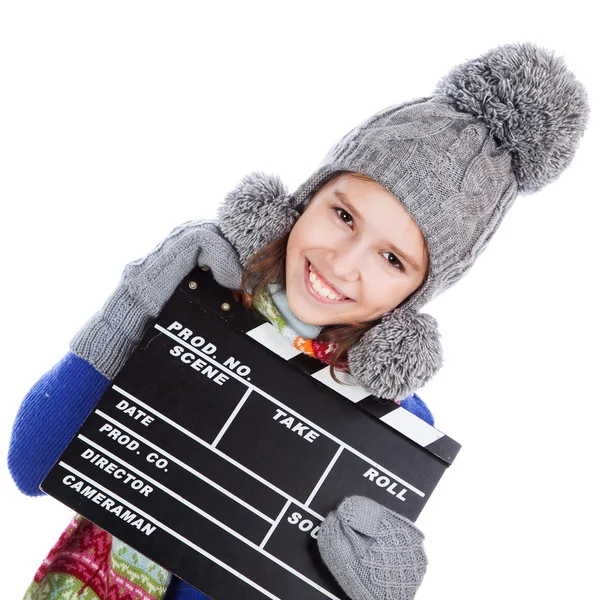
x=507, y=122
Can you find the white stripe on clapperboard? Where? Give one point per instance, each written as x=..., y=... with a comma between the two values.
x=400, y=419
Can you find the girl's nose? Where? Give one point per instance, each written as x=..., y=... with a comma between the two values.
x=345, y=262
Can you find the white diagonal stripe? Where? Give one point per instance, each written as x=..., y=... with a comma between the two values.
x=353, y=391
x=412, y=427
x=268, y=336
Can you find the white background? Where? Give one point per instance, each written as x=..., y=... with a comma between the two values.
x=119, y=120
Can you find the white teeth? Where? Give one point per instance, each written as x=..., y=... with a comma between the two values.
x=326, y=292
x=321, y=288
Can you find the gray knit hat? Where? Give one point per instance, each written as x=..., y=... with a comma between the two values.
x=507, y=122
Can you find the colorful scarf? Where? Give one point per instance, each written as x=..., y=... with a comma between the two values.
x=324, y=351
x=89, y=563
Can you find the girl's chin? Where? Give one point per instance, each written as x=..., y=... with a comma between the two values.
x=320, y=315
x=312, y=311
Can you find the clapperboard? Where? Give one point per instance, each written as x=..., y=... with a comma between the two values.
x=218, y=450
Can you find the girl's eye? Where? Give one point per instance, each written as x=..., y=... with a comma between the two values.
x=394, y=262
x=342, y=214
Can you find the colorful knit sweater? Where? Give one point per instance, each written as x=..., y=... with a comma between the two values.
x=88, y=563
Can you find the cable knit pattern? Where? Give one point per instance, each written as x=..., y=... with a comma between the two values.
x=373, y=552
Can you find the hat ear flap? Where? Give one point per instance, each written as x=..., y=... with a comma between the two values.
x=397, y=356
x=256, y=213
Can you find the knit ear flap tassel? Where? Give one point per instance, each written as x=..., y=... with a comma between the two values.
x=255, y=213
x=397, y=356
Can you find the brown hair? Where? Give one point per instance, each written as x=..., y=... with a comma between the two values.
x=267, y=265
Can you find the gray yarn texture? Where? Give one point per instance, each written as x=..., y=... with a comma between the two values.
x=109, y=337
x=508, y=121
x=373, y=552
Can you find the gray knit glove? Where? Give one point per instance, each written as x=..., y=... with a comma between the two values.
x=373, y=552
x=217, y=253
x=110, y=336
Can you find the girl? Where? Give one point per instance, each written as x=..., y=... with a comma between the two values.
x=396, y=213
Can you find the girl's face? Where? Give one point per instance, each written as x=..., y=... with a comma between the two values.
x=354, y=254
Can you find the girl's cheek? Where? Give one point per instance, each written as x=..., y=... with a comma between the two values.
x=317, y=234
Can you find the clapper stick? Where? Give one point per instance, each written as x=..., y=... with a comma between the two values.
x=218, y=450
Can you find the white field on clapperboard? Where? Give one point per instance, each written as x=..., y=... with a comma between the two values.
x=120, y=121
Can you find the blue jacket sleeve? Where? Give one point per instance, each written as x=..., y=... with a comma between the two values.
x=49, y=416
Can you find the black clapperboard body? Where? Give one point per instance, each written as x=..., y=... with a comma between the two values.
x=218, y=450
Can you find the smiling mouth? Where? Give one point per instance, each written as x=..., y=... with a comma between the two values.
x=308, y=268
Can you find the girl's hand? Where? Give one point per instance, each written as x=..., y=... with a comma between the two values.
x=373, y=552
